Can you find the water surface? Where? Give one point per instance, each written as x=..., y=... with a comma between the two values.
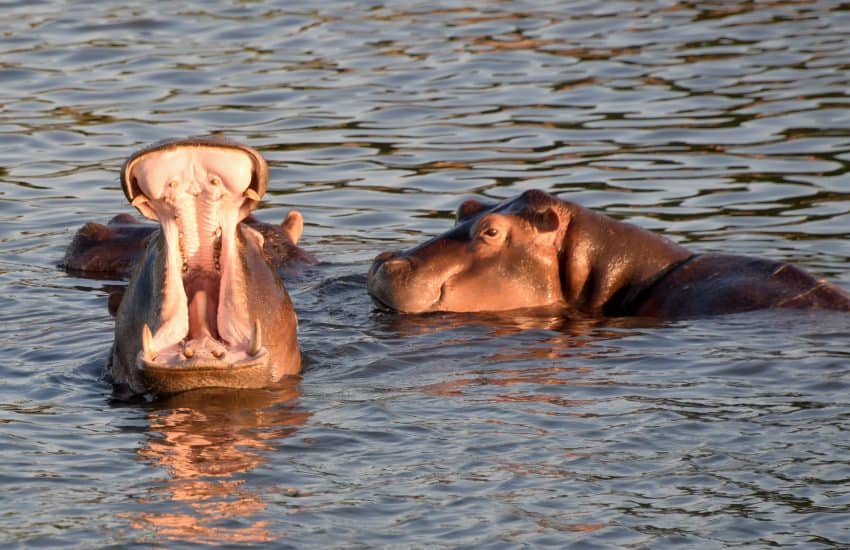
x=723, y=126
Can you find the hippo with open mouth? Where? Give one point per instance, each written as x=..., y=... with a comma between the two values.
x=540, y=251
x=204, y=307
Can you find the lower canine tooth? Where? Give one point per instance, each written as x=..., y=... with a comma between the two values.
x=148, y=353
x=256, y=339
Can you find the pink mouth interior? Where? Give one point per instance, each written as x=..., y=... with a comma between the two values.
x=198, y=195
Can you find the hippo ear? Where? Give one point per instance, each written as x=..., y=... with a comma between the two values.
x=468, y=209
x=293, y=226
x=546, y=220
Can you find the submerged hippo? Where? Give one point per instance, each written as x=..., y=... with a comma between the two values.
x=537, y=250
x=204, y=308
x=113, y=251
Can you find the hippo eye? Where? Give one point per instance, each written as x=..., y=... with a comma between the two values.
x=491, y=231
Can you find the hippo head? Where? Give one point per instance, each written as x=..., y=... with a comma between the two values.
x=204, y=308
x=497, y=257
x=531, y=251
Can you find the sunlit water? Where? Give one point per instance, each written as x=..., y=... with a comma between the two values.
x=723, y=126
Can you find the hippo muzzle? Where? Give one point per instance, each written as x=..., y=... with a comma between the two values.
x=390, y=283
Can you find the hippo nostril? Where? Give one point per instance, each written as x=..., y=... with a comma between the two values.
x=387, y=263
x=396, y=264
x=384, y=256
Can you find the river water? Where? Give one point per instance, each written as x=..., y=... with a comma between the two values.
x=723, y=125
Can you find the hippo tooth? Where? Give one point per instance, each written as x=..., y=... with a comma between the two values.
x=251, y=194
x=256, y=339
x=147, y=344
x=140, y=199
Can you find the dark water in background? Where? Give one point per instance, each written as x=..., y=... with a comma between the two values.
x=724, y=125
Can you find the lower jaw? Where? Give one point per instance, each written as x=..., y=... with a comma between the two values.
x=168, y=379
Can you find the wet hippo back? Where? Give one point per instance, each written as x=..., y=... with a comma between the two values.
x=108, y=251
x=710, y=284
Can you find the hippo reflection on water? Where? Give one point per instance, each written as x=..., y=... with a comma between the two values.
x=204, y=307
x=536, y=250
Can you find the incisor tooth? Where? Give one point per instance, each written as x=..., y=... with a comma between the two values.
x=148, y=353
x=256, y=339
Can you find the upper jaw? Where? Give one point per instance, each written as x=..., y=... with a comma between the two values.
x=260, y=170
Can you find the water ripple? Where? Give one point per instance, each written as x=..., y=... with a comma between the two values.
x=723, y=126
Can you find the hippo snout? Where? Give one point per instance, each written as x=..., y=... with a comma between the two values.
x=388, y=270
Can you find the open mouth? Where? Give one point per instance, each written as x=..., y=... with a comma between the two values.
x=198, y=195
x=203, y=322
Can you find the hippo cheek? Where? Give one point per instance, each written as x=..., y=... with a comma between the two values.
x=468, y=293
x=501, y=286
x=395, y=282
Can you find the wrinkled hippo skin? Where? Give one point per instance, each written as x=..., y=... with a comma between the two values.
x=536, y=250
x=113, y=250
x=205, y=307
x=717, y=283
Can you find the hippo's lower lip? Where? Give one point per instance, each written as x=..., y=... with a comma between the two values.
x=381, y=304
x=166, y=377
x=202, y=362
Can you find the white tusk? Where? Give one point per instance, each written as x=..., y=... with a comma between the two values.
x=256, y=339
x=251, y=194
x=148, y=353
x=140, y=199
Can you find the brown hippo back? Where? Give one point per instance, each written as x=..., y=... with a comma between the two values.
x=714, y=283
